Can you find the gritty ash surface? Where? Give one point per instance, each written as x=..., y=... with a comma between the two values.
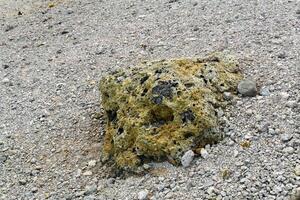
x=51, y=60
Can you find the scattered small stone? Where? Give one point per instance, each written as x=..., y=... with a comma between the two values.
x=142, y=195
x=203, y=153
x=288, y=150
x=286, y=137
x=247, y=88
x=248, y=136
x=34, y=189
x=146, y=166
x=284, y=95
x=33, y=161
x=282, y=55
x=92, y=163
x=3, y=158
x=79, y=194
x=297, y=170
x=5, y=80
x=263, y=127
x=235, y=153
x=88, y=173
x=100, y=51
x=249, y=112
x=187, y=158
x=220, y=113
x=90, y=189
x=160, y=187
x=22, y=181
x=78, y=173
x=210, y=190
x=110, y=181
x=291, y=104
x=227, y=96
x=264, y=91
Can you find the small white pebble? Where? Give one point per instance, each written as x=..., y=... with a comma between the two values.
x=92, y=163
x=203, y=153
x=5, y=80
x=210, y=190
x=142, y=195
x=88, y=173
x=235, y=153
x=288, y=150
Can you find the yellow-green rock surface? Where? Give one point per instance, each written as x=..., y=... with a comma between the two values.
x=161, y=109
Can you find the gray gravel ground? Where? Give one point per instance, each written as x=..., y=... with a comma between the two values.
x=51, y=60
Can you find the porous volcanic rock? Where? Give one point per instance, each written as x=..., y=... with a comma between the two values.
x=161, y=109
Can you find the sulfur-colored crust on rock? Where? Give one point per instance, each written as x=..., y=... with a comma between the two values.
x=161, y=109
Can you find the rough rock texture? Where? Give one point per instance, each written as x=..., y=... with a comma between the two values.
x=49, y=102
x=161, y=109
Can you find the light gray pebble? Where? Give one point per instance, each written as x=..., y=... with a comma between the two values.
x=146, y=166
x=79, y=194
x=110, y=181
x=227, y=96
x=247, y=88
x=249, y=112
x=22, y=181
x=142, y=195
x=264, y=91
x=204, y=154
x=187, y=158
x=284, y=95
x=160, y=187
x=288, y=150
x=210, y=190
x=291, y=104
x=34, y=189
x=5, y=80
x=286, y=137
x=90, y=189
x=92, y=163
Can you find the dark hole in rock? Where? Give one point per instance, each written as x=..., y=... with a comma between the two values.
x=164, y=88
x=188, y=135
x=189, y=85
x=222, y=84
x=112, y=115
x=187, y=116
x=158, y=71
x=120, y=130
x=161, y=115
x=179, y=93
x=106, y=95
x=144, y=92
x=144, y=79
